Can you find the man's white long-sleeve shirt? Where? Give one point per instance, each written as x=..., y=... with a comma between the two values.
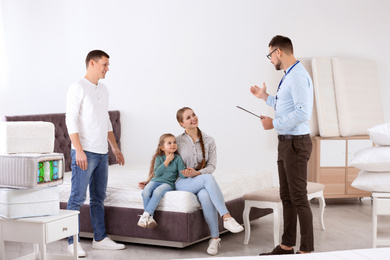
x=87, y=115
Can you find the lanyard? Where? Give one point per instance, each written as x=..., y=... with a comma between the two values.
x=286, y=75
x=281, y=81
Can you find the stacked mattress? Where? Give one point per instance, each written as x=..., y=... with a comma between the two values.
x=344, y=106
x=29, y=170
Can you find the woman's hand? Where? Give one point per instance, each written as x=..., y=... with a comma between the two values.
x=190, y=172
x=142, y=184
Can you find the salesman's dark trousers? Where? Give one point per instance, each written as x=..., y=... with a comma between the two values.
x=293, y=156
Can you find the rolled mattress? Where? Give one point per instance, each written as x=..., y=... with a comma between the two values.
x=16, y=203
x=31, y=171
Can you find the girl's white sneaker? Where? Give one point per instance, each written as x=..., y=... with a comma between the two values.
x=143, y=221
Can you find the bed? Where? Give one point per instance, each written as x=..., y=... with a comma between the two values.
x=179, y=215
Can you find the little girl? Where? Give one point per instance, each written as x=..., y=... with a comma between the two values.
x=164, y=170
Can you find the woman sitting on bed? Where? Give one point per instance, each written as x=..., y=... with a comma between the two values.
x=198, y=152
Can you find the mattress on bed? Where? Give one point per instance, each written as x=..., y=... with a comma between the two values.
x=16, y=203
x=123, y=191
x=30, y=171
x=26, y=137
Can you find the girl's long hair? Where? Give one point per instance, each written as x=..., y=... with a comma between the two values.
x=158, y=152
x=179, y=118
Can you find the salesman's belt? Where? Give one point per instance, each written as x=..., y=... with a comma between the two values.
x=287, y=137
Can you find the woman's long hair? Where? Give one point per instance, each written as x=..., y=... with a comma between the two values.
x=179, y=118
x=159, y=152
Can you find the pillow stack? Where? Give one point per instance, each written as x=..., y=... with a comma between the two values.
x=29, y=170
x=374, y=162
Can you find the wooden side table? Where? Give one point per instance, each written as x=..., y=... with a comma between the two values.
x=40, y=230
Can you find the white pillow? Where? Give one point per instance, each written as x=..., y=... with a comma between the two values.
x=380, y=134
x=376, y=159
x=372, y=181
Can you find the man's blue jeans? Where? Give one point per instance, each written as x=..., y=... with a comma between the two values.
x=95, y=176
x=152, y=194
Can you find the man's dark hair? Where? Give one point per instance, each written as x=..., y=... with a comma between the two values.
x=283, y=43
x=95, y=55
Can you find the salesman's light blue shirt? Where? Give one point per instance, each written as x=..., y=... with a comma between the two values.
x=294, y=102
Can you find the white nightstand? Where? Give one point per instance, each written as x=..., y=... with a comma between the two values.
x=381, y=206
x=40, y=230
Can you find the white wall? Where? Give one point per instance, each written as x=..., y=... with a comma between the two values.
x=167, y=54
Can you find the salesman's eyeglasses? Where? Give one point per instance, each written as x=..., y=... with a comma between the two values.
x=269, y=54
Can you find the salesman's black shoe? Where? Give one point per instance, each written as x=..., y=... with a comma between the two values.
x=279, y=251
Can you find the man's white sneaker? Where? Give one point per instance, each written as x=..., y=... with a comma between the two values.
x=213, y=246
x=232, y=225
x=151, y=223
x=107, y=244
x=80, y=250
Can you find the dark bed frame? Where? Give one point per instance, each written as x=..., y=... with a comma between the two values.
x=175, y=229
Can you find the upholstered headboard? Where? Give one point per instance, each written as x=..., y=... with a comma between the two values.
x=62, y=140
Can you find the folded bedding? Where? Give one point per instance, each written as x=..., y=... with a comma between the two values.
x=26, y=137
x=30, y=171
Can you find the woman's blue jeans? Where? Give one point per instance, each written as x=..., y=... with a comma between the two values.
x=95, y=176
x=152, y=194
x=210, y=197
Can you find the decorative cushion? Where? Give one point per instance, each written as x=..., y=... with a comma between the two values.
x=358, y=97
x=376, y=159
x=372, y=181
x=380, y=134
x=325, y=97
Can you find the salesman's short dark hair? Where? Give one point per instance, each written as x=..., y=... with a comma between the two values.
x=282, y=43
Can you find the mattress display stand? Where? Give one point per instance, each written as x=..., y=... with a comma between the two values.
x=40, y=231
x=381, y=206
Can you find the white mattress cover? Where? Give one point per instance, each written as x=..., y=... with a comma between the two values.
x=29, y=203
x=20, y=171
x=325, y=97
x=26, y=137
x=358, y=97
x=123, y=188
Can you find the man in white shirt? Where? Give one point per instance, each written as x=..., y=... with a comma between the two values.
x=89, y=128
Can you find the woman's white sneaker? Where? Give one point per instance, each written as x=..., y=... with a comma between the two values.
x=213, y=246
x=80, y=250
x=232, y=225
x=107, y=244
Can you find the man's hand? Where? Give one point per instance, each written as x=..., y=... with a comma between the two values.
x=119, y=157
x=260, y=92
x=81, y=160
x=267, y=122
